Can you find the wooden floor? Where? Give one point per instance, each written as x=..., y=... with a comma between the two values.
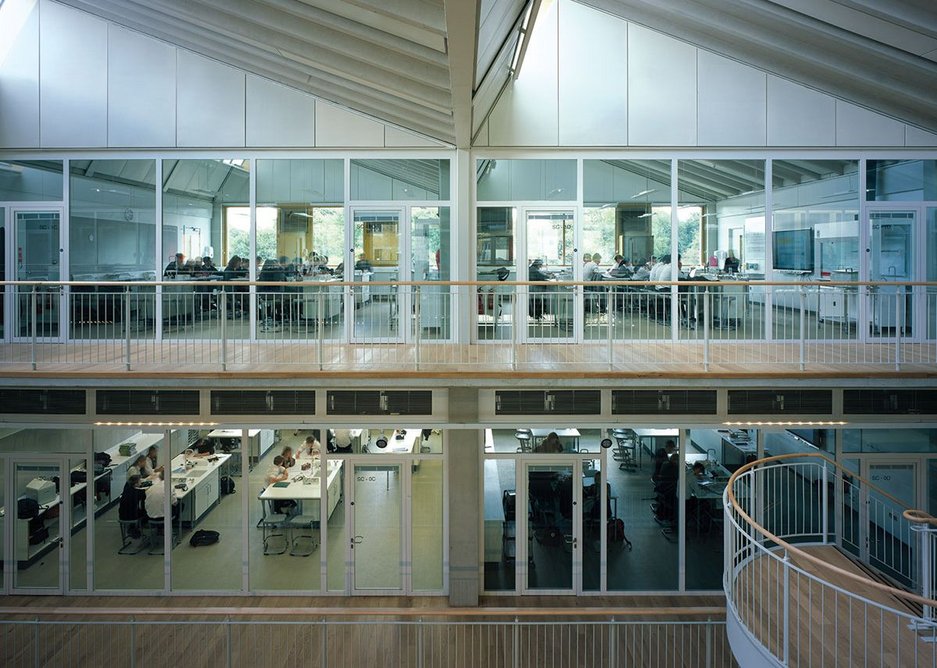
x=828, y=627
x=385, y=631
x=638, y=358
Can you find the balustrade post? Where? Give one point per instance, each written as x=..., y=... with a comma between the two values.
x=899, y=327
x=32, y=317
x=417, y=324
x=825, y=499
x=612, y=643
x=228, y=641
x=224, y=329
x=320, y=323
x=787, y=610
x=609, y=309
x=803, y=327
x=514, y=320
x=127, y=327
x=928, y=537
x=706, y=333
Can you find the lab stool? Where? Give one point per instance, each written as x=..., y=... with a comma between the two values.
x=306, y=542
x=126, y=537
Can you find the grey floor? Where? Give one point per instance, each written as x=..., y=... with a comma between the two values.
x=218, y=567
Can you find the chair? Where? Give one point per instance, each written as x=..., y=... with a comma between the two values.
x=625, y=450
x=274, y=525
x=524, y=439
x=127, y=538
x=307, y=542
x=154, y=529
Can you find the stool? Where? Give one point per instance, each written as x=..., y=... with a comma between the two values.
x=523, y=439
x=127, y=539
x=274, y=525
x=298, y=523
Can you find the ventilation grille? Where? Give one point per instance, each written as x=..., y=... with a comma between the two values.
x=374, y=402
x=784, y=402
x=890, y=402
x=263, y=402
x=660, y=402
x=147, y=402
x=48, y=402
x=550, y=402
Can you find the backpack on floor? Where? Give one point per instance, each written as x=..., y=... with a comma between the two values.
x=204, y=537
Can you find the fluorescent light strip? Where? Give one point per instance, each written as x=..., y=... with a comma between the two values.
x=156, y=424
x=788, y=423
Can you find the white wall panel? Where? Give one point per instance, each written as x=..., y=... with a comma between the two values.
x=141, y=90
x=209, y=103
x=918, y=137
x=278, y=115
x=799, y=116
x=661, y=89
x=526, y=114
x=856, y=126
x=337, y=127
x=73, y=83
x=395, y=137
x=593, y=87
x=732, y=103
x=19, y=88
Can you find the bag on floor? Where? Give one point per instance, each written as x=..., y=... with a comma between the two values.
x=204, y=537
x=226, y=485
x=616, y=531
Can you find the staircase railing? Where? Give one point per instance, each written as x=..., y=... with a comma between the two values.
x=795, y=598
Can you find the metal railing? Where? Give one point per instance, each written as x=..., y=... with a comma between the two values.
x=264, y=640
x=612, y=325
x=794, y=599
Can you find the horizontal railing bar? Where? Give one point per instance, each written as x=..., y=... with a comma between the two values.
x=403, y=283
x=338, y=622
x=372, y=612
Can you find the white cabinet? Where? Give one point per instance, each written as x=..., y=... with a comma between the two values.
x=204, y=495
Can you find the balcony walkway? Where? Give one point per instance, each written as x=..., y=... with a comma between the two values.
x=680, y=631
x=738, y=359
x=825, y=627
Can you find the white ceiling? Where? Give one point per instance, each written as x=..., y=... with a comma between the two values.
x=430, y=67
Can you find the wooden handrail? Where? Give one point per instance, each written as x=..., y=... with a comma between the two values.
x=736, y=507
x=920, y=517
x=510, y=612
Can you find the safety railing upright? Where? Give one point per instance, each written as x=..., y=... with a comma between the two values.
x=801, y=592
x=451, y=325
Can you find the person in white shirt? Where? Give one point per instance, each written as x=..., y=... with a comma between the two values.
x=276, y=472
x=658, y=268
x=588, y=266
x=153, y=505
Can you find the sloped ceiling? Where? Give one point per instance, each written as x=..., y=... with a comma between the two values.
x=879, y=55
x=427, y=66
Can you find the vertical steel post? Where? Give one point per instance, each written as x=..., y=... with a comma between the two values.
x=417, y=323
x=787, y=610
x=514, y=320
x=899, y=326
x=706, y=333
x=32, y=317
x=224, y=329
x=127, y=327
x=803, y=326
x=609, y=309
x=825, y=501
x=320, y=324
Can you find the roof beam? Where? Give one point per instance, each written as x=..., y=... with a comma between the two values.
x=461, y=25
x=381, y=20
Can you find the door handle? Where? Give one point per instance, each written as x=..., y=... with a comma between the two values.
x=357, y=540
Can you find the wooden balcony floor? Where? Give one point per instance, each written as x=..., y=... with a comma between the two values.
x=638, y=359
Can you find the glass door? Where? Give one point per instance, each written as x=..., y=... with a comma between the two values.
x=34, y=506
x=888, y=549
x=548, y=258
x=376, y=537
x=376, y=256
x=38, y=254
x=551, y=545
x=892, y=261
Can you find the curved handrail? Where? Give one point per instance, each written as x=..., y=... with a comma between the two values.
x=732, y=502
x=920, y=517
